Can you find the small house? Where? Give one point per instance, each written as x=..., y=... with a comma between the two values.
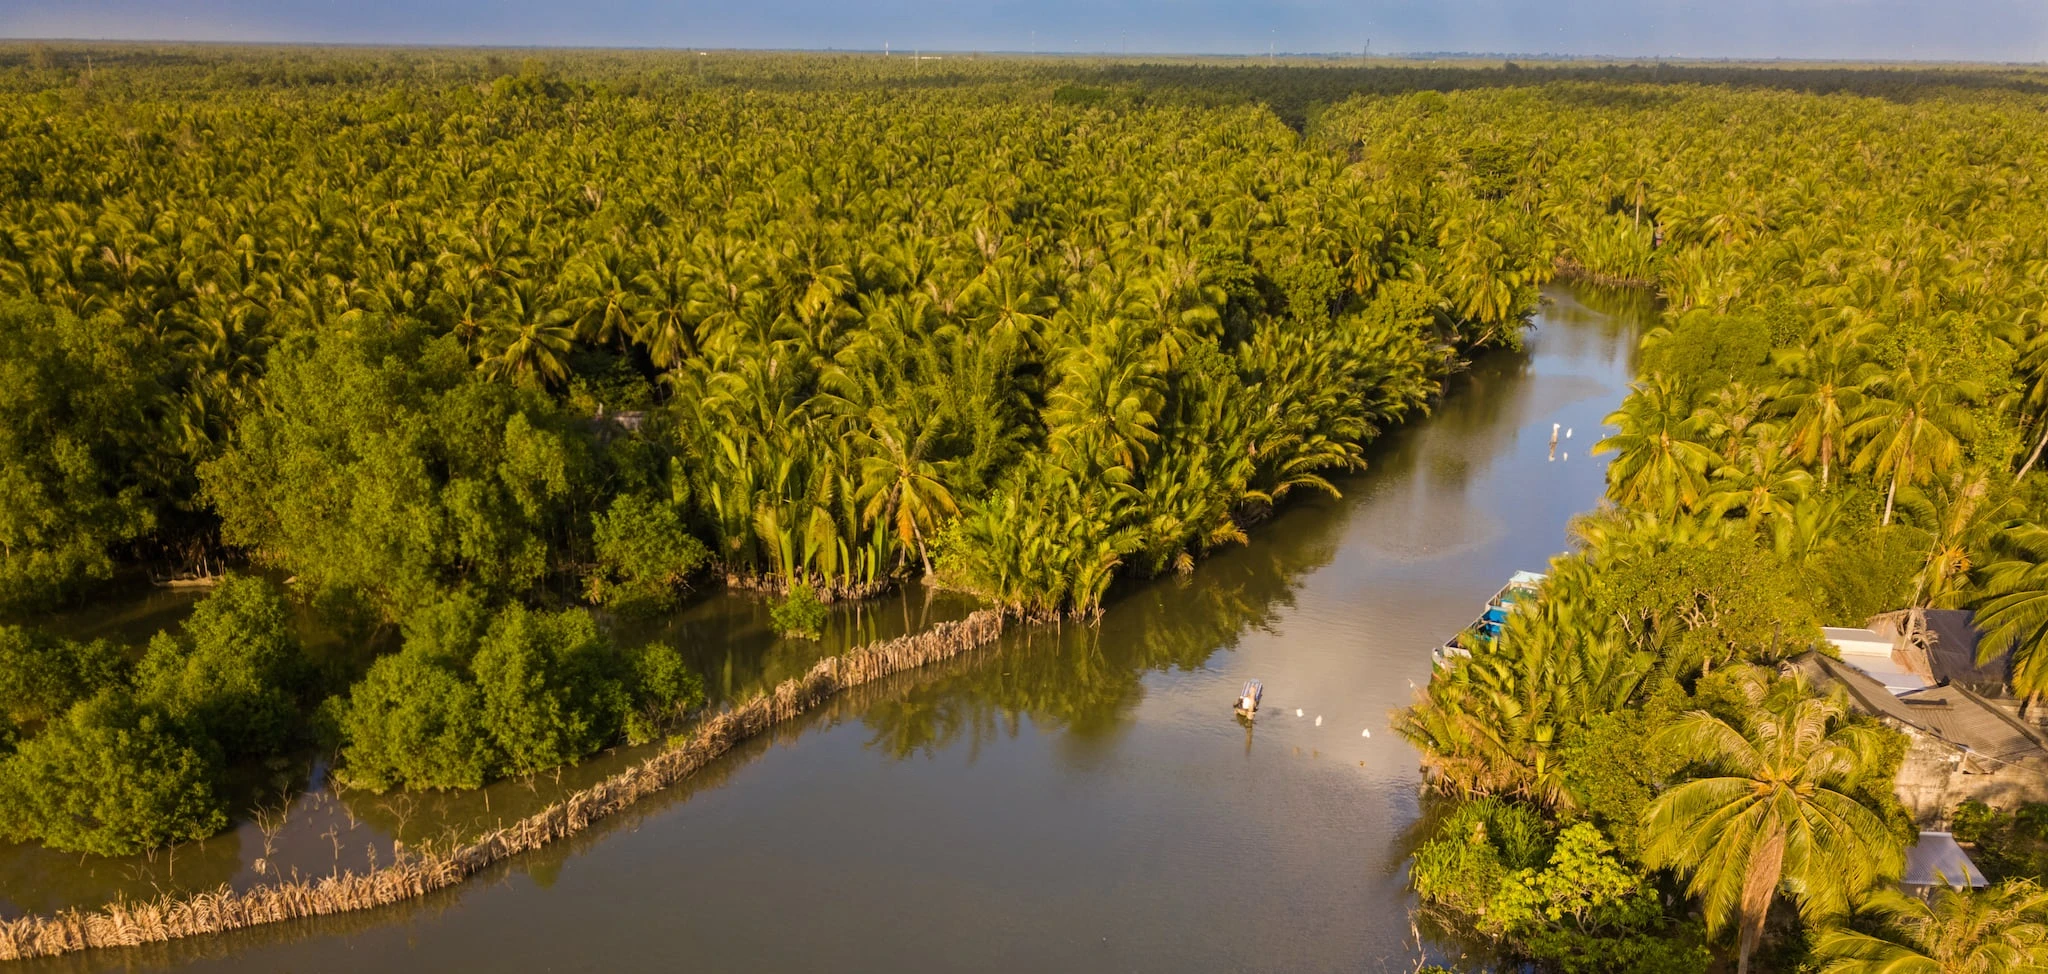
x=1965, y=744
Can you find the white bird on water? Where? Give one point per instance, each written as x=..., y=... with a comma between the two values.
x=1297, y=711
x=1319, y=720
x=1365, y=733
x=1567, y=434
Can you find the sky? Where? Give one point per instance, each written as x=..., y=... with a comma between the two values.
x=1978, y=30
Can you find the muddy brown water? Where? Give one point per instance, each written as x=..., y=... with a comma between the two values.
x=1077, y=798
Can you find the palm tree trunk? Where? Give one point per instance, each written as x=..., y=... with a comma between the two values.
x=1758, y=889
x=1904, y=466
x=2035, y=456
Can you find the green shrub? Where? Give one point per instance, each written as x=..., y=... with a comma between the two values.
x=1585, y=911
x=1853, y=581
x=233, y=671
x=2011, y=844
x=1473, y=850
x=663, y=686
x=78, y=453
x=449, y=630
x=1706, y=351
x=798, y=614
x=112, y=777
x=386, y=469
x=42, y=676
x=415, y=722
x=545, y=691
x=1079, y=95
x=467, y=701
x=1570, y=903
x=644, y=553
x=1613, y=769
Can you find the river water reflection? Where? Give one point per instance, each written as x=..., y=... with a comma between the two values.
x=1077, y=798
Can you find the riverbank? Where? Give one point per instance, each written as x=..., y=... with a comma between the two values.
x=1572, y=271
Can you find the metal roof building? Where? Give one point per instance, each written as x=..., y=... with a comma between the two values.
x=1936, y=860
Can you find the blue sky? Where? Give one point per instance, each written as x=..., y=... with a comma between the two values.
x=1996, y=30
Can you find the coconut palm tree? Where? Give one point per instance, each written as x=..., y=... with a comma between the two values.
x=1770, y=809
x=901, y=488
x=1910, y=426
x=1660, y=460
x=2012, y=609
x=2000, y=930
x=1960, y=516
x=1823, y=392
x=528, y=342
x=1763, y=482
x=2033, y=394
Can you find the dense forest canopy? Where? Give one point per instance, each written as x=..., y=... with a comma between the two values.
x=459, y=348
x=849, y=328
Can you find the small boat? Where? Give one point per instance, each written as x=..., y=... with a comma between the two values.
x=1248, y=700
x=1486, y=628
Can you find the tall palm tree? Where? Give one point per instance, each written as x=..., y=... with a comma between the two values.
x=603, y=294
x=1763, y=482
x=901, y=488
x=1823, y=392
x=529, y=340
x=1660, y=461
x=2001, y=930
x=1959, y=518
x=1730, y=416
x=2033, y=368
x=1105, y=408
x=1771, y=809
x=1910, y=425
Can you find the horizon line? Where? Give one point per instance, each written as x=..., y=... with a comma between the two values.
x=991, y=52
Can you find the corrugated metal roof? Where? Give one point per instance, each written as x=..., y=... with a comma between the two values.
x=1869, y=695
x=1954, y=649
x=1951, y=713
x=1951, y=642
x=1936, y=860
x=1965, y=718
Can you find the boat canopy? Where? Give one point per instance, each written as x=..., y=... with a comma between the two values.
x=1491, y=618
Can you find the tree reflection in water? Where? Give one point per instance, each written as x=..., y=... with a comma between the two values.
x=1085, y=681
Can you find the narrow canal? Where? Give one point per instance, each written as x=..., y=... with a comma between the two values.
x=1078, y=798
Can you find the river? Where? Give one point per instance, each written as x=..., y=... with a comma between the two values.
x=1081, y=797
